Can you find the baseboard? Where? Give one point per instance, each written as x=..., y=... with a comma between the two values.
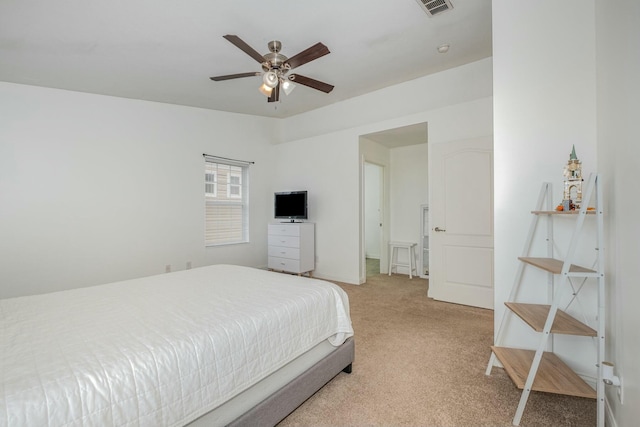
x=333, y=279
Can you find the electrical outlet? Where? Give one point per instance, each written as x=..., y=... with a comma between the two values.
x=188, y=265
x=167, y=268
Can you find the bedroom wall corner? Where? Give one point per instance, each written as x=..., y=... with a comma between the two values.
x=323, y=166
x=95, y=189
x=332, y=163
x=544, y=103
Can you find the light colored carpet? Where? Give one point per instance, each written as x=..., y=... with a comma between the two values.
x=421, y=362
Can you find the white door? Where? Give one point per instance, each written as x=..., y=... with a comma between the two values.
x=461, y=207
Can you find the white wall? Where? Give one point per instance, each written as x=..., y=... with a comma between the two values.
x=546, y=100
x=618, y=61
x=123, y=177
x=141, y=164
x=95, y=189
x=324, y=167
x=336, y=154
x=452, y=87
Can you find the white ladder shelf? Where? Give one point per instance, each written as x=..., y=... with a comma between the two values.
x=539, y=369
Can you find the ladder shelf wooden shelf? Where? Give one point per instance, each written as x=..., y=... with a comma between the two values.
x=554, y=376
x=555, y=266
x=535, y=315
x=540, y=369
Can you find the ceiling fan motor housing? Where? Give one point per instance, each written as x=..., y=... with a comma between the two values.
x=274, y=59
x=274, y=46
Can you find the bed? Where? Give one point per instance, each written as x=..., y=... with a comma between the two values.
x=217, y=345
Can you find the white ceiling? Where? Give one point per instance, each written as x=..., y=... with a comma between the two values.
x=166, y=51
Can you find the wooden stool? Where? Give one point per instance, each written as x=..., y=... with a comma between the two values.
x=393, y=256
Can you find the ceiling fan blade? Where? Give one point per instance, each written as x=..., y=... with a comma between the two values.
x=234, y=76
x=312, y=83
x=240, y=44
x=275, y=94
x=308, y=55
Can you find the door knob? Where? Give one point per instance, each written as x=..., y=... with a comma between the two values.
x=438, y=229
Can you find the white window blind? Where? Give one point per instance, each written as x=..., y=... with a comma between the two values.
x=226, y=184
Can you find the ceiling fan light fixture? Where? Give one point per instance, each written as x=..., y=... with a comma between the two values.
x=265, y=90
x=287, y=86
x=270, y=79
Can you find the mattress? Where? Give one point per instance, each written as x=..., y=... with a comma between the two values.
x=161, y=350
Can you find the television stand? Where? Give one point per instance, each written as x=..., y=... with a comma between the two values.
x=291, y=247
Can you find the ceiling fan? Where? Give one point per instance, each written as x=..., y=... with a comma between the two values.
x=275, y=67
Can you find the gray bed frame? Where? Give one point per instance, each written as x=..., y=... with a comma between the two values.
x=276, y=407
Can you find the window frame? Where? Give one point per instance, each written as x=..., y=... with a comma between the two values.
x=223, y=224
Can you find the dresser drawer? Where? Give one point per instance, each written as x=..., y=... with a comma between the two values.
x=284, y=230
x=291, y=247
x=284, y=252
x=284, y=264
x=286, y=241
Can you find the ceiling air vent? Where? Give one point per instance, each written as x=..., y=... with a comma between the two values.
x=434, y=7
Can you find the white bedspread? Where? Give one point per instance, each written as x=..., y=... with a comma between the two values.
x=157, y=351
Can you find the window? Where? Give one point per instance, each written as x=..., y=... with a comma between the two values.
x=234, y=185
x=226, y=201
x=210, y=183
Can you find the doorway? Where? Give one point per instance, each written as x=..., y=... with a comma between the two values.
x=461, y=252
x=401, y=154
x=373, y=217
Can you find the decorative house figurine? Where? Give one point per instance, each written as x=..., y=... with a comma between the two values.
x=572, y=182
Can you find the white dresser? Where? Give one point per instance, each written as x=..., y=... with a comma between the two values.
x=292, y=247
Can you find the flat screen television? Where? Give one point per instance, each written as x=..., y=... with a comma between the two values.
x=291, y=205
